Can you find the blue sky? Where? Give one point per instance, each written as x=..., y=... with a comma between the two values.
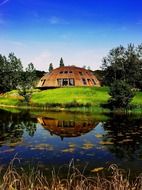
x=80, y=31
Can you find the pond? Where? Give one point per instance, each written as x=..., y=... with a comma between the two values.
x=52, y=139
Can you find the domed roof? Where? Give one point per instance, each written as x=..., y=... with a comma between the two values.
x=67, y=128
x=68, y=76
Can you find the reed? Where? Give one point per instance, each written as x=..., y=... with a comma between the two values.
x=13, y=179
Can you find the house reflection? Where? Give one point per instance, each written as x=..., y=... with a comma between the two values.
x=66, y=128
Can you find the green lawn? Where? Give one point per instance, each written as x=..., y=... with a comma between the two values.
x=84, y=97
x=8, y=101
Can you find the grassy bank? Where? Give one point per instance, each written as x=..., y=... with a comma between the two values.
x=81, y=98
x=68, y=98
x=20, y=179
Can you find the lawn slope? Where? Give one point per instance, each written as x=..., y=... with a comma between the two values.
x=74, y=97
x=82, y=95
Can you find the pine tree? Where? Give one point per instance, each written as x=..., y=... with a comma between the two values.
x=50, y=67
x=61, y=62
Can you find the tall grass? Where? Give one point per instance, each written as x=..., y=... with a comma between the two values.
x=19, y=179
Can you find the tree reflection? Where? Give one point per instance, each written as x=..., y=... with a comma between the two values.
x=12, y=126
x=125, y=134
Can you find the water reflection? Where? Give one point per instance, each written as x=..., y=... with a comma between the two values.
x=125, y=133
x=67, y=128
x=96, y=140
x=13, y=126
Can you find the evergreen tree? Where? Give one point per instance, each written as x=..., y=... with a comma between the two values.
x=88, y=68
x=61, y=62
x=50, y=67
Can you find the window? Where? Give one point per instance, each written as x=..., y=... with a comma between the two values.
x=70, y=71
x=71, y=82
x=68, y=124
x=66, y=72
x=65, y=82
x=59, y=81
x=89, y=82
x=94, y=81
x=43, y=82
x=61, y=72
x=81, y=73
x=84, y=81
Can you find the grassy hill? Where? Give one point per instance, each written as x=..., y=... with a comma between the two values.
x=82, y=97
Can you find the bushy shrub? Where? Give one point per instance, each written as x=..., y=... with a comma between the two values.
x=121, y=95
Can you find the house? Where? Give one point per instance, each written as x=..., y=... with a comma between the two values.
x=68, y=76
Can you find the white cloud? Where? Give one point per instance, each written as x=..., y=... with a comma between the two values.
x=3, y=2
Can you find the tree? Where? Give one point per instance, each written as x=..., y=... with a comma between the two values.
x=61, y=62
x=89, y=68
x=121, y=94
x=3, y=61
x=50, y=67
x=27, y=82
x=10, y=72
x=14, y=68
x=124, y=64
x=123, y=71
x=100, y=75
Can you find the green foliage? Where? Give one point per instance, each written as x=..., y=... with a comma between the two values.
x=39, y=74
x=50, y=67
x=10, y=72
x=123, y=71
x=121, y=95
x=27, y=82
x=13, y=76
x=61, y=62
x=124, y=64
x=100, y=75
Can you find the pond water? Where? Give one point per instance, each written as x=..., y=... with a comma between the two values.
x=53, y=139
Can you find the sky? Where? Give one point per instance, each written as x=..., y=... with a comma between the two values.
x=80, y=31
